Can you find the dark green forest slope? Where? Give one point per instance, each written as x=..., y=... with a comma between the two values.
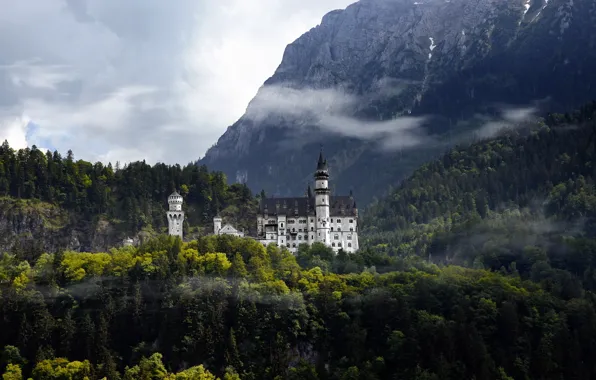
x=525, y=201
x=131, y=199
x=229, y=306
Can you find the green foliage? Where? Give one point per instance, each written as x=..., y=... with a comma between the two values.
x=523, y=203
x=133, y=197
x=229, y=307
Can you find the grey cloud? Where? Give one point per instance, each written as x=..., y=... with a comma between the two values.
x=511, y=118
x=139, y=79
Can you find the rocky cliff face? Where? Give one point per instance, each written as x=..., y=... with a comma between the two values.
x=36, y=227
x=384, y=84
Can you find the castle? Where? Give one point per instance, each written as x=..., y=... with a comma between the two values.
x=289, y=222
x=331, y=220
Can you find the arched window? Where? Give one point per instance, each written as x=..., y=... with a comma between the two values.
x=349, y=244
x=331, y=229
x=336, y=237
x=333, y=244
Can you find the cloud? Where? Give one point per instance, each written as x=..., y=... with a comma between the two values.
x=331, y=110
x=141, y=79
x=511, y=118
x=15, y=131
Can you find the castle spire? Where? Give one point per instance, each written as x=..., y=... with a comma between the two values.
x=322, y=163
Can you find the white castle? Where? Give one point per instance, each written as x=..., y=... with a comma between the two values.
x=289, y=222
x=331, y=220
x=175, y=215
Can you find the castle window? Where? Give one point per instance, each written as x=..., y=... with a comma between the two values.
x=312, y=237
x=331, y=229
x=349, y=244
x=339, y=228
x=293, y=230
x=311, y=220
x=312, y=228
x=351, y=221
x=293, y=245
x=333, y=244
x=288, y=245
x=299, y=237
x=349, y=237
x=282, y=225
x=338, y=220
x=351, y=230
x=336, y=237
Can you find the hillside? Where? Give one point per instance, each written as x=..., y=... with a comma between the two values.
x=526, y=196
x=387, y=85
x=230, y=307
x=49, y=202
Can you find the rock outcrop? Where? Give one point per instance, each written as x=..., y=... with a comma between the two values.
x=35, y=227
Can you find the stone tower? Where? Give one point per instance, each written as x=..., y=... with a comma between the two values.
x=217, y=224
x=175, y=215
x=322, y=201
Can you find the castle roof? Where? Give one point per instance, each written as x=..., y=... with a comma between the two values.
x=339, y=206
x=322, y=163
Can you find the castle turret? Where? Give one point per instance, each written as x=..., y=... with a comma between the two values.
x=217, y=220
x=322, y=201
x=175, y=214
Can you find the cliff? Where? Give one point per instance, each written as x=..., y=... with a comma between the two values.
x=34, y=227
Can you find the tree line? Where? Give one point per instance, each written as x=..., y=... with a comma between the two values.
x=133, y=196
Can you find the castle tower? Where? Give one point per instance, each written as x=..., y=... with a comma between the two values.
x=217, y=224
x=322, y=201
x=175, y=214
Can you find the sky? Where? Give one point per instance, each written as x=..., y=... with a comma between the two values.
x=136, y=80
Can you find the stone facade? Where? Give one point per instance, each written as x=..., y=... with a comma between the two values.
x=318, y=217
x=227, y=229
x=175, y=215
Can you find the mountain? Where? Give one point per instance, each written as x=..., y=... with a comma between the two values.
x=386, y=84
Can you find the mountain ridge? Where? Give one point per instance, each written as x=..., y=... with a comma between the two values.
x=399, y=91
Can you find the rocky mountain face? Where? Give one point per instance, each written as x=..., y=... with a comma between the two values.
x=385, y=84
x=36, y=227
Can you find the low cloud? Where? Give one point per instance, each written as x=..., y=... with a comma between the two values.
x=331, y=111
x=511, y=118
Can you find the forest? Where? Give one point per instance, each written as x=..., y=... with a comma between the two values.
x=231, y=308
x=133, y=197
x=525, y=202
